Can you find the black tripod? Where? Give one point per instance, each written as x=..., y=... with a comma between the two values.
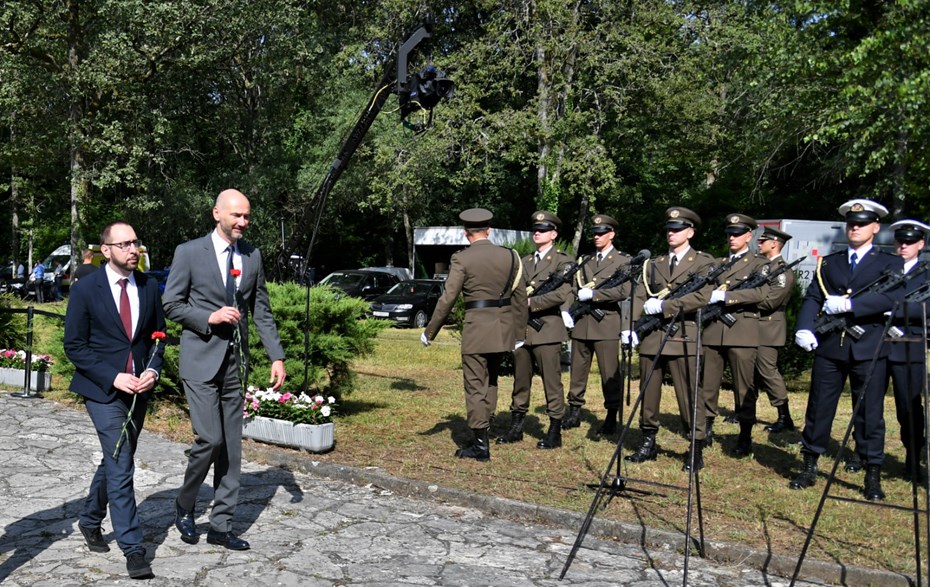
x=611, y=485
x=915, y=509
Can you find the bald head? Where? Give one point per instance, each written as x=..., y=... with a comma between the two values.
x=231, y=213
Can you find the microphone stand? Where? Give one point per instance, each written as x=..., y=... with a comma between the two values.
x=619, y=482
x=860, y=402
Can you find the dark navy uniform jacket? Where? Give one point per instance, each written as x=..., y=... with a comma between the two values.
x=867, y=309
x=919, y=276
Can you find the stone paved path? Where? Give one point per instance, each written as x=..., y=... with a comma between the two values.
x=304, y=529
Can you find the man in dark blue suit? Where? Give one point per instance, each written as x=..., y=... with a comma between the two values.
x=906, y=363
x=111, y=317
x=836, y=289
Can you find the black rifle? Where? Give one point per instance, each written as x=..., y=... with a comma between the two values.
x=619, y=277
x=918, y=296
x=649, y=322
x=552, y=283
x=887, y=281
x=755, y=279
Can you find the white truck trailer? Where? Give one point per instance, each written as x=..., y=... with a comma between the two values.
x=816, y=238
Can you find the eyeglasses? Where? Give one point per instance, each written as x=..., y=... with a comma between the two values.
x=126, y=244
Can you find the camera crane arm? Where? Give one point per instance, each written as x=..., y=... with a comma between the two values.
x=409, y=89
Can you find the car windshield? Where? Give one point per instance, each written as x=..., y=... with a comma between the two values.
x=342, y=279
x=408, y=288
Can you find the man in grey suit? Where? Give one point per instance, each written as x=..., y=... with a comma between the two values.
x=215, y=282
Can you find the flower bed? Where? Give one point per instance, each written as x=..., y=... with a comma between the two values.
x=16, y=359
x=287, y=419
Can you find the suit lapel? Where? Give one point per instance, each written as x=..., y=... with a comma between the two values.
x=142, y=293
x=105, y=295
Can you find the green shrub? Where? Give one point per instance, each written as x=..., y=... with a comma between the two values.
x=12, y=326
x=338, y=334
x=793, y=361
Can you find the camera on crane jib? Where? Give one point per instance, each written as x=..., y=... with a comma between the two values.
x=424, y=90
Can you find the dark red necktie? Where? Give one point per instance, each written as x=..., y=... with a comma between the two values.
x=125, y=315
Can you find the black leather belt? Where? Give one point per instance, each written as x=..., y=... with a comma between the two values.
x=475, y=304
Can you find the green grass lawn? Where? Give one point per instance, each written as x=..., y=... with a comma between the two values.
x=408, y=414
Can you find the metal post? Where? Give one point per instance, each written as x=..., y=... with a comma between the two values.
x=27, y=383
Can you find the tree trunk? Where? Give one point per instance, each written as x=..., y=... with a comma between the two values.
x=75, y=117
x=14, y=211
x=900, y=176
x=408, y=233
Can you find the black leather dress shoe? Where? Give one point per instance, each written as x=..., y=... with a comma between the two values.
x=94, y=539
x=184, y=522
x=227, y=540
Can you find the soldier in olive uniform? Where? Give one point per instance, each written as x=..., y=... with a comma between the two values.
x=545, y=333
x=736, y=345
x=600, y=338
x=773, y=329
x=491, y=279
x=677, y=357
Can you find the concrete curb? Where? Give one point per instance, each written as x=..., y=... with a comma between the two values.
x=768, y=562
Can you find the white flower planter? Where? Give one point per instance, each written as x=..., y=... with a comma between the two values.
x=15, y=378
x=311, y=437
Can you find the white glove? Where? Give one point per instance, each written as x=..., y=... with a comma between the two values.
x=805, y=339
x=567, y=320
x=628, y=337
x=653, y=306
x=518, y=344
x=424, y=339
x=837, y=305
x=718, y=296
x=585, y=294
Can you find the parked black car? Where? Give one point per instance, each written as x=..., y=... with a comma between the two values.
x=361, y=283
x=409, y=303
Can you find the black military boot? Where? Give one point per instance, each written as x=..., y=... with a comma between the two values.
x=698, y=458
x=853, y=463
x=808, y=476
x=784, y=422
x=515, y=432
x=744, y=442
x=709, y=434
x=610, y=423
x=553, y=437
x=480, y=451
x=573, y=419
x=873, y=483
x=647, y=452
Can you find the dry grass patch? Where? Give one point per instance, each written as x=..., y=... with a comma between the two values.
x=408, y=414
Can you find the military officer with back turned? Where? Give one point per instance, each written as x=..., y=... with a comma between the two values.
x=491, y=280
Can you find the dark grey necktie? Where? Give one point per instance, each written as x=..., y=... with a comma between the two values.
x=672, y=264
x=230, y=280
